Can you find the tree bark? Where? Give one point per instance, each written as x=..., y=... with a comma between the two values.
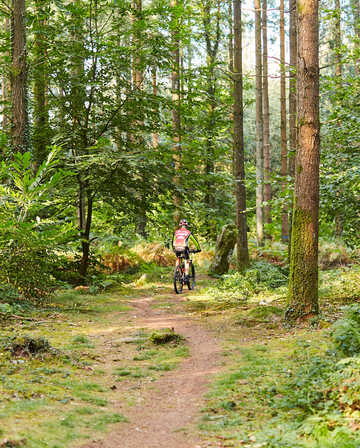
x=5, y=89
x=238, y=143
x=231, y=37
x=259, y=129
x=176, y=117
x=267, y=152
x=19, y=125
x=41, y=138
x=303, y=285
x=338, y=81
x=155, y=135
x=212, y=46
x=292, y=102
x=284, y=171
x=223, y=251
x=138, y=80
x=356, y=9
x=85, y=236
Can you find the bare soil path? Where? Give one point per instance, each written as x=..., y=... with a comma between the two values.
x=169, y=411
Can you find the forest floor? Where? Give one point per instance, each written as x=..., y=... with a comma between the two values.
x=229, y=380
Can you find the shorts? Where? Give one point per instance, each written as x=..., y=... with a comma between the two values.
x=182, y=252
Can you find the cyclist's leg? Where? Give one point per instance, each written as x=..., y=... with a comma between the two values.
x=187, y=261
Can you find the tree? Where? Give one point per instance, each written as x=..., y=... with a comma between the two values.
x=175, y=94
x=292, y=87
x=19, y=116
x=259, y=129
x=41, y=134
x=356, y=9
x=303, y=285
x=267, y=152
x=284, y=171
x=238, y=143
x=338, y=72
x=292, y=101
x=5, y=85
x=212, y=39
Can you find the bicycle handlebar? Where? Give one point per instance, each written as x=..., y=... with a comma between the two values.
x=194, y=251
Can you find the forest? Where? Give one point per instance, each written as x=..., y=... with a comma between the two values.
x=118, y=121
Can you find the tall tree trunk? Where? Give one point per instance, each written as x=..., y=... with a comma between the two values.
x=138, y=80
x=284, y=171
x=20, y=125
x=338, y=66
x=5, y=89
x=176, y=117
x=259, y=129
x=267, y=152
x=356, y=9
x=338, y=72
x=292, y=101
x=212, y=46
x=41, y=117
x=155, y=135
x=238, y=143
x=85, y=241
x=231, y=72
x=303, y=285
x=231, y=37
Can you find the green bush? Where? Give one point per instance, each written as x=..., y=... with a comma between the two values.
x=346, y=331
x=261, y=276
x=30, y=244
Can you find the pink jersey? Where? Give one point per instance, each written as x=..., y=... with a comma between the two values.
x=181, y=237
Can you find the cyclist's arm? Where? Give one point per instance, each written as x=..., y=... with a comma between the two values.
x=193, y=239
x=172, y=241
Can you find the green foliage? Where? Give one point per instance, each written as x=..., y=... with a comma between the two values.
x=346, y=331
x=29, y=244
x=237, y=286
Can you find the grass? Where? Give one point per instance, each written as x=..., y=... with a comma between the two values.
x=282, y=388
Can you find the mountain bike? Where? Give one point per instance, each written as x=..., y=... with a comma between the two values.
x=179, y=274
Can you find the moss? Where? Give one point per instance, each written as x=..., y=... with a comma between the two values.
x=164, y=336
x=28, y=346
x=303, y=282
x=224, y=249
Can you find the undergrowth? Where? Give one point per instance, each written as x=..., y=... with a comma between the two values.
x=292, y=392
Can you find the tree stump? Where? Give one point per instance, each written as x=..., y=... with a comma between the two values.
x=224, y=249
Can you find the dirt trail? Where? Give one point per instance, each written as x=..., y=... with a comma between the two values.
x=169, y=411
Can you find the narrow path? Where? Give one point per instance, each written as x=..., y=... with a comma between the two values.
x=170, y=410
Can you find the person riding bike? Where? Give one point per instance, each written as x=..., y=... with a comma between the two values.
x=180, y=244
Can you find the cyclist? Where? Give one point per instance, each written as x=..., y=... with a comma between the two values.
x=180, y=244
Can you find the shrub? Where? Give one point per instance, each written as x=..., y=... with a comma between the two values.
x=29, y=244
x=346, y=331
x=259, y=277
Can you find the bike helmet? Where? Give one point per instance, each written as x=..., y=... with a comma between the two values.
x=183, y=223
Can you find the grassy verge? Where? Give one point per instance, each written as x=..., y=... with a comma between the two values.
x=283, y=388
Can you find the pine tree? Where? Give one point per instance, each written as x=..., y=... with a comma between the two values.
x=19, y=103
x=303, y=285
x=259, y=128
x=238, y=143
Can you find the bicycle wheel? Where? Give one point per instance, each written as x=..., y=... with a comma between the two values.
x=191, y=282
x=178, y=280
